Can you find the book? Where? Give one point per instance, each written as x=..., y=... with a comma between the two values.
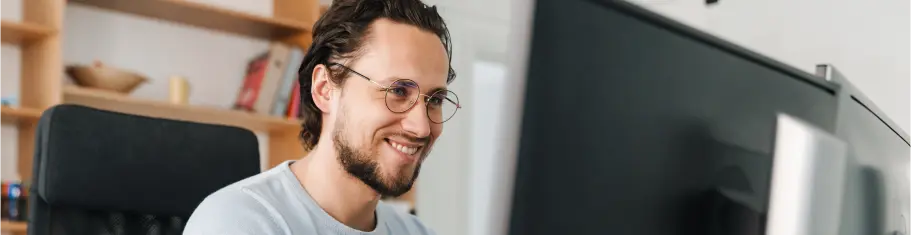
x=275, y=70
x=249, y=91
x=283, y=95
x=294, y=106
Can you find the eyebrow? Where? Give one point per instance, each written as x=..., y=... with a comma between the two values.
x=436, y=89
x=393, y=79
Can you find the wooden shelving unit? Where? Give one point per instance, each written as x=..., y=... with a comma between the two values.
x=38, y=38
x=18, y=33
x=210, y=17
x=13, y=227
x=42, y=86
x=124, y=103
x=10, y=115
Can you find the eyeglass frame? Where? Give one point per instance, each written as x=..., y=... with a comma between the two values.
x=387, y=88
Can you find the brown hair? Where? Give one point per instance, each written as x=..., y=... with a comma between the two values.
x=339, y=34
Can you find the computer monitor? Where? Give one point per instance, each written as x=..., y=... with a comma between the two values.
x=627, y=122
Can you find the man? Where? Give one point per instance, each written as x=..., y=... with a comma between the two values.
x=374, y=99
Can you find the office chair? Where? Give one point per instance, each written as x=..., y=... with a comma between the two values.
x=103, y=172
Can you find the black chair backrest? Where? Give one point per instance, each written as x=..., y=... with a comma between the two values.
x=102, y=172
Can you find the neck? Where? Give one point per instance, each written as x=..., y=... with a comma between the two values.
x=340, y=194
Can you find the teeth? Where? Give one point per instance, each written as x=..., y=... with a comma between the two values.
x=404, y=149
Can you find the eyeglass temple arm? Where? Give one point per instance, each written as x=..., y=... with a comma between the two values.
x=359, y=74
x=458, y=106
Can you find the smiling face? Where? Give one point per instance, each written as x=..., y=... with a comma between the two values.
x=385, y=149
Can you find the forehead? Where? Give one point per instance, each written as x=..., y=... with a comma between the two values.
x=394, y=50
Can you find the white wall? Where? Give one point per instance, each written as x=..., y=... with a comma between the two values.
x=455, y=185
x=9, y=86
x=212, y=61
x=9, y=133
x=488, y=86
x=865, y=40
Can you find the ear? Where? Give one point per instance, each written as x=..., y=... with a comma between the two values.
x=321, y=88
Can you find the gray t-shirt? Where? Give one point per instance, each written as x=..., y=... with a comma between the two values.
x=274, y=202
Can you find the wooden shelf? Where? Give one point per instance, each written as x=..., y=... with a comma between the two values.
x=16, y=115
x=123, y=103
x=206, y=16
x=13, y=226
x=19, y=33
x=39, y=35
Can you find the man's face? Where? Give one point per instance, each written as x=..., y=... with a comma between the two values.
x=382, y=148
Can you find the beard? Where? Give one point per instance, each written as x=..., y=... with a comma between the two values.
x=362, y=163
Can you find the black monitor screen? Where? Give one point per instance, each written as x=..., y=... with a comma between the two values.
x=633, y=126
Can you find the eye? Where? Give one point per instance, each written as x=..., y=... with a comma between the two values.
x=399, y=91
x=435, y=100
x=403, y=88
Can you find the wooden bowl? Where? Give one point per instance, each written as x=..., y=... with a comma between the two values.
x=101, y=77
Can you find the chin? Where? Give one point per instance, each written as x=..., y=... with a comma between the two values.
x=400, y=175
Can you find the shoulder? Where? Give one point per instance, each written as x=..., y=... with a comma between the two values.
x=402, y=223
x=245, y=207
x=232, y=211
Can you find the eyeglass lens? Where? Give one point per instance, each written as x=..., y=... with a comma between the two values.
x=404, y=93
x=442, y=105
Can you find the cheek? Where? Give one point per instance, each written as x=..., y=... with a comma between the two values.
x=436, y=130
x=377, y=121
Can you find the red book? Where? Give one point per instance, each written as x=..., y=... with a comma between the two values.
x=294, y=105
x=256, y=71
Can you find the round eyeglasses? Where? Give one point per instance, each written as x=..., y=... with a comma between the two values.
x=402, y=94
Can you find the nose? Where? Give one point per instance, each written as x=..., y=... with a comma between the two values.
x=416, y=121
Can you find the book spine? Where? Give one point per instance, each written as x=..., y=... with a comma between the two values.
x=283, y=95
x=256, y=70
x=294, y=105
x=278, y=59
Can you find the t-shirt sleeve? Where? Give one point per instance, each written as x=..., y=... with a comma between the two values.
x=232, y=212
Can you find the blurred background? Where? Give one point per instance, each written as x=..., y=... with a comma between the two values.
x=207, y=67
